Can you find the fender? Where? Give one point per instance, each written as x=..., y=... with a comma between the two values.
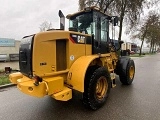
x=76, y=74
x=122, y=64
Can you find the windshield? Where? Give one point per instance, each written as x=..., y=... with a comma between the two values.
x=93, y=23
x=82, y=23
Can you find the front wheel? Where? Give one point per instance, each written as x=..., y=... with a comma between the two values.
x=127, y=76
x=97, y=88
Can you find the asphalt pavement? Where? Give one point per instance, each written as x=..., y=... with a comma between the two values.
x=139, y=101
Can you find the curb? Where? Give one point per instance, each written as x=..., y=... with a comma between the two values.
x=134, y=58
x=7, y=85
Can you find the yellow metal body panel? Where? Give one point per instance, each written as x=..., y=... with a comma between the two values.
x=44, y=65
x=55, y=84
x=64, y=95
x=77, y=72
x=44, y=52
x=47, y=41
x=78, y=56
x=15, y=76
x=27, y=86
x=76, y=51
x=60, y=60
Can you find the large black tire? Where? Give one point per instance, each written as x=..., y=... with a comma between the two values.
x=97, y=87
x=126, y=76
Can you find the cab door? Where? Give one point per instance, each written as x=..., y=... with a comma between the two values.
x=100, y=34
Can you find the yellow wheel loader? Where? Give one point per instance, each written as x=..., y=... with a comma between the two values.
x=84, y=58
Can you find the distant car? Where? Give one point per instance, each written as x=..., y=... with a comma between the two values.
x=132, y=52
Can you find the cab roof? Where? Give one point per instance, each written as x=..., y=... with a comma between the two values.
x=85, y=10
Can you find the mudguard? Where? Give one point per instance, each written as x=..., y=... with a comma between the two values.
x=76, y=74
x=122, y=64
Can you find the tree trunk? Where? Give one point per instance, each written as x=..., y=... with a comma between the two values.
x=120, y=29
x=150, y=47
x=123, y=7
x=153, y=47
x=140, y=52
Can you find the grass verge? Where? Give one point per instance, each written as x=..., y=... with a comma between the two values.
x=136, y=55
x=142, y=55
x=150, y=53
x=4, y=79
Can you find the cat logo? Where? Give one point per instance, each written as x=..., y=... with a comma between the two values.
x=81, y=39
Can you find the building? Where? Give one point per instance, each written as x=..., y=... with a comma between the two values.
x=9, y=49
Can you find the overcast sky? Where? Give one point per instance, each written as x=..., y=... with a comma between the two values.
x=19, y=18
x=23, y=17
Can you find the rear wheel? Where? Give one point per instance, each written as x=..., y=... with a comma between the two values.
x=127, y=76
x=97, y=88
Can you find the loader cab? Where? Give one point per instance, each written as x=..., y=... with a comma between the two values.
x=92, y=21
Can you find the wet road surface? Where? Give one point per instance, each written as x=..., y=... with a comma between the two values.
x=140, y=101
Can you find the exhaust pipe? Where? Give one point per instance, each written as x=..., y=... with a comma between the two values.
x=62, y=20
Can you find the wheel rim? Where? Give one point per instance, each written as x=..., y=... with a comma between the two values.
x=101, y=87
x=131, y=72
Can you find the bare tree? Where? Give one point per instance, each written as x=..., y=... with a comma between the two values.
x=45, y=26
x=153, y=36
x=148, y=30
x=128, y=11
x=102, y=4
x=141, y=34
